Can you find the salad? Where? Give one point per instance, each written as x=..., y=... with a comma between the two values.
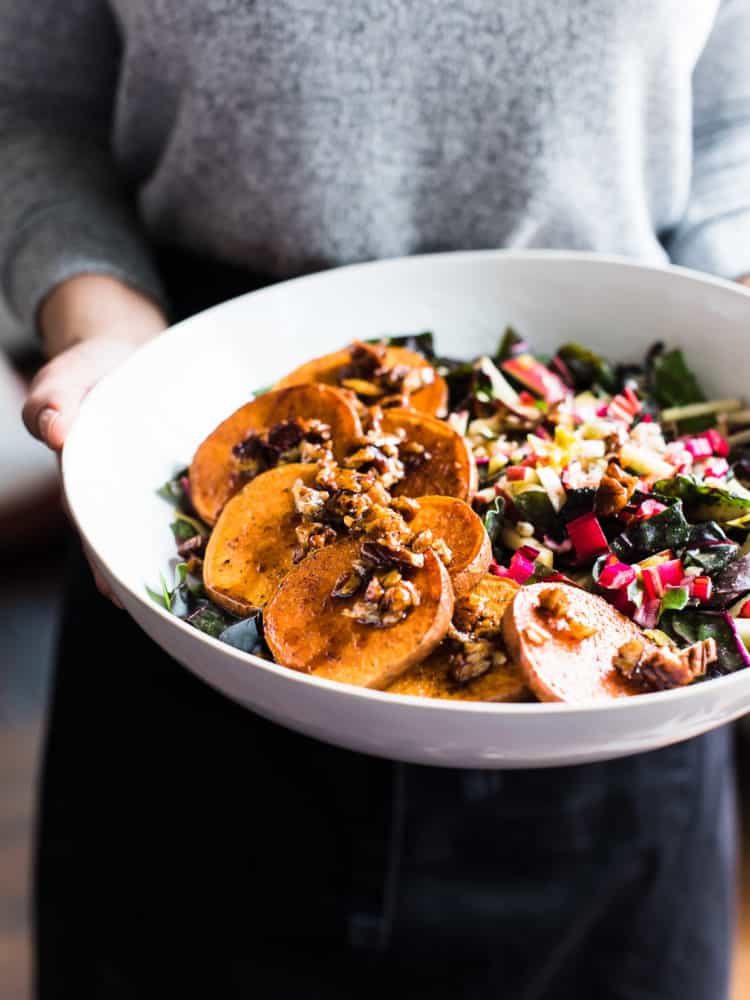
x=507, y=528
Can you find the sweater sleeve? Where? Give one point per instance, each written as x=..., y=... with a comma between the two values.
x=63, y=209
x=714, y=234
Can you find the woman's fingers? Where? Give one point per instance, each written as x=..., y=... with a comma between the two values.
x=57, y=390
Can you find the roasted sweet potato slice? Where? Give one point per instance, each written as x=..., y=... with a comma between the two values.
x=250, y=550
x=306, y=630
x=558, y=664
x=432, y=398
x=215, y=473
x=462, y=531
x=446, y=467
x=432, y=677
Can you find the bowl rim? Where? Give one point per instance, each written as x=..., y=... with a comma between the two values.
x=640, y=703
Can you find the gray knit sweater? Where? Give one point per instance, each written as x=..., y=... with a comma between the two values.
x=289, y=135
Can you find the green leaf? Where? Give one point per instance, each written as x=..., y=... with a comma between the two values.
x=493, y=523
x=246, y=634
x=672, y=383
x=511, y=343
x=587, y=368
x=694, y=625
x=157, y=597
x=262, y=391
x=534, y=505
x=209, y=619
x=172, y=490
x=668, y=530
x=701, y=502
x=674, y=599
x=423, y=343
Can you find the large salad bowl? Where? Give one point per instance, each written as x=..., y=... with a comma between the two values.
x=145, y=420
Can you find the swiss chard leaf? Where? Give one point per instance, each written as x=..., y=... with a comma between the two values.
x=702, y=502
x=534, y=505
x=668, y=530
x=209, y=619
x=671, y=381
x=511, y=343
x=587, y=368
x=694, y=625
x=735, y=578
x=493, y=523
x=712, y=559
x=246, y=634
x=174, y=489
x=423, y=343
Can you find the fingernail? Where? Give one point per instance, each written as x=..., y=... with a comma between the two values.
x=46, y=420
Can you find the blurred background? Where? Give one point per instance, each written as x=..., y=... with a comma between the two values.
x=33, y=541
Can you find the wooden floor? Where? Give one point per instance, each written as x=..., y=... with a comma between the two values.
x=27, y=618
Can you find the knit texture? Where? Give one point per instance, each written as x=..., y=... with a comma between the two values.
x=289, y=135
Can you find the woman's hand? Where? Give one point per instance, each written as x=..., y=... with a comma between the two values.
x=90, y=324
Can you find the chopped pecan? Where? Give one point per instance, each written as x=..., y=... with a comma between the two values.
x=554, y=610
x=349, y=583
x=397, y=602
x=308, y=502
x=658, y=668
x=616, y=488
x=405, y=506
x=379, y=553
x=194, y=546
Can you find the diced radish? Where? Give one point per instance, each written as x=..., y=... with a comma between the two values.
x=602, y=411
x=518, y=474
x=719, y=444
x=619, y=410
x=532, y=374
x=699, y=447
x=529, y=552
x=631, y=397
x=587, y=536
x=744, y=610
x=520, y=568
x=564, y=546
x=652, y=582
x=482, y=459
x=702, y=588
x=648, y=614
x=616, y=576
x=647, y=418
x=526, y=398
x=671, y=573
x=649, y=508
x=716, y=468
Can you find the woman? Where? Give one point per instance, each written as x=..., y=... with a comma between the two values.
x=186, y=844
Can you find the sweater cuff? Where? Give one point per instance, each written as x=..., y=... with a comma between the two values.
x=66, y=239
x=719, y=246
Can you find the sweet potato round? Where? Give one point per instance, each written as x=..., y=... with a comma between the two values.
x=449, y=470
x=306, y=630
x=463, y=532
x=558, y=668
x=431, y=678
x=432, y=398
x=214, y=474
x=250, y=550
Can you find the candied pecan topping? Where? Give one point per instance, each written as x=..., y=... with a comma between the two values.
x=308, y=501
x=386, y=601
x=554, y=609
x=194, y=546
x=383, y=554
x=659, y=668
x=294, y=440
x=475, y=658
x=616, y=488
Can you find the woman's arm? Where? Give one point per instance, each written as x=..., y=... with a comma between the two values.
x=63, y=208
x=714, y=234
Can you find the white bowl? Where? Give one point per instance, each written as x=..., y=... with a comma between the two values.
x=145, y=420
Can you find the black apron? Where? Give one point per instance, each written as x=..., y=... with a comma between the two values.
x=187, y=846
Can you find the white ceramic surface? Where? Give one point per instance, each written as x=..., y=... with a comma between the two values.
x=144, y=421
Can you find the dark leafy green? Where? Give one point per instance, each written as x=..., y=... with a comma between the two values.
x=493, y=523
x=668, y=530
x=246, y=634
x=694, y=625
x=174, y=490
x=735, y=579
x=587, y=368
x=209, y=619
x=534, y=505
x=713, y=559
x=671, y=381
x=701, y=502
x=423, y=343
x=511, y=343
